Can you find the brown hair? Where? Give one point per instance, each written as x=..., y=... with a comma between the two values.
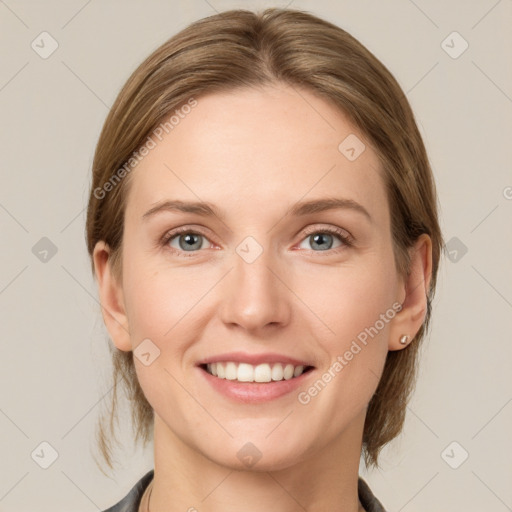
x=240, y=48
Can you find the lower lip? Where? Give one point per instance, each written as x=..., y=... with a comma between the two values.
x=254, y=392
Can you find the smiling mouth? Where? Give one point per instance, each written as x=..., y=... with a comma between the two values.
x=261, y=373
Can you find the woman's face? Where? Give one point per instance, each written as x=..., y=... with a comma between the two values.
x=263, y=272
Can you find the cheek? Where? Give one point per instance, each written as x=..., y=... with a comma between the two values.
x=356, y=310
x=163, y=305
x=170, y=307
x=343, y=301
x=150, y=308
x=158, y=298
x=349, y=300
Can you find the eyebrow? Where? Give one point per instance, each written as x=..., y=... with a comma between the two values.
x=298, y=209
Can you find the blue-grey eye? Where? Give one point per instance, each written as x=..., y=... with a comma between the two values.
x=321, y=241
x=188, y=241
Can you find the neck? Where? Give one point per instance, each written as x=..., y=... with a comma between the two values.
x=185, y=480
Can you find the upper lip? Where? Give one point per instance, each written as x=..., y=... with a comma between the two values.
x=253, y=359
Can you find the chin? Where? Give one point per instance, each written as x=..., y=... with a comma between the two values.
x=258, y=454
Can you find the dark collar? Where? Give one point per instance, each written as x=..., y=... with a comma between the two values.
x=131, y=502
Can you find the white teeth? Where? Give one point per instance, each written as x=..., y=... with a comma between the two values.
x=277, y=372
x=231, y=371
x=288, y=371
x=244, y=372
x=262, y=373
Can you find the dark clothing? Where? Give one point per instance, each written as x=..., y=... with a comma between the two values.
x=131, y=502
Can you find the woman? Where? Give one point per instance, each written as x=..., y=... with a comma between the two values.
x=263, y=228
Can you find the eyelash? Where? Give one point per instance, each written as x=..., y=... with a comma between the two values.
x=343, y=236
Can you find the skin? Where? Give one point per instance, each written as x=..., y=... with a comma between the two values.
x=253, y=154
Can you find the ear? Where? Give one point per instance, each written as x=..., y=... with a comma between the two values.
x=414, y=290
x=111, y=298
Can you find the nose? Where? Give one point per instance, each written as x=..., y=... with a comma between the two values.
x=255, y=296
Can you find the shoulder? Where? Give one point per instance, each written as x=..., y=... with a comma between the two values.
x=130, y=503
x=367, y=499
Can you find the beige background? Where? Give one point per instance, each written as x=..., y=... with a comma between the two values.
x=54, y=363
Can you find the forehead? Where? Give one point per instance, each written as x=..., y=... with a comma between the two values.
x=249, y=147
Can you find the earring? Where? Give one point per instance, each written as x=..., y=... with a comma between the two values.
x=404, y=339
